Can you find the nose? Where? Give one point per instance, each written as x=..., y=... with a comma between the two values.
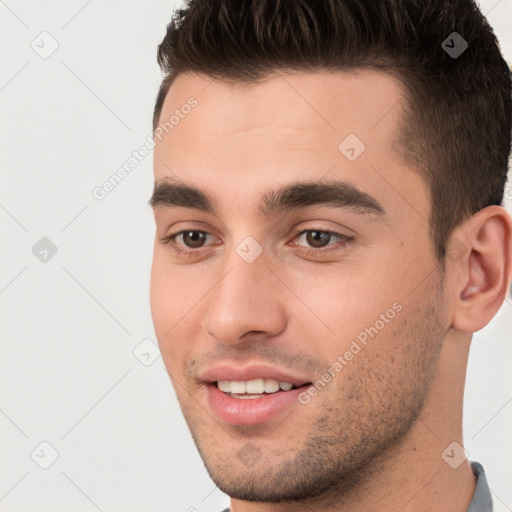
x=247, y=298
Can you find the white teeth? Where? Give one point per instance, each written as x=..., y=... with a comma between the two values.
x=237, y=386
x=224, y=385
x=253, y=387
x=256, y=386
x=271, y=385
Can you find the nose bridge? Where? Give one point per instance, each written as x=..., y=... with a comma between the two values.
x=245, y=298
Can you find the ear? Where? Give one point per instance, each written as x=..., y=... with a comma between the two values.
x=480, y=256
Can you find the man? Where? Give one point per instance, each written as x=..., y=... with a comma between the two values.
x=328, y=182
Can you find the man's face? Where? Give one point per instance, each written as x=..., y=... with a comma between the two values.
x=334, y=291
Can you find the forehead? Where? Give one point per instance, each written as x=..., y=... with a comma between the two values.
x=323, y=101
x=240, y=139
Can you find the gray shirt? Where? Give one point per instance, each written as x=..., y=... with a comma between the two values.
x=482, y=501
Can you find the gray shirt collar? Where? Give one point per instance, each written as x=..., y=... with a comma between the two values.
x=482, y=500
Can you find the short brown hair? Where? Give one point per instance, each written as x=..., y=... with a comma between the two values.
x=456, y=127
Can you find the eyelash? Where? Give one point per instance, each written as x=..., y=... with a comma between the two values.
x=345, y=239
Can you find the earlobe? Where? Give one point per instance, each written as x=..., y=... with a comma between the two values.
x=486, y=268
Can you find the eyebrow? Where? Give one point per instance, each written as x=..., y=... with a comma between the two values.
x=336, y=194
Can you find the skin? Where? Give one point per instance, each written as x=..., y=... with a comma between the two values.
x=373, y=437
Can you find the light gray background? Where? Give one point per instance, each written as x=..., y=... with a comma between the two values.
x=70, y=326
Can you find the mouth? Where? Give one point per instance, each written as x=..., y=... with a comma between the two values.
x=242, y=397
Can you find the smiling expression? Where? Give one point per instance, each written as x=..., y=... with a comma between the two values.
x=287, y=224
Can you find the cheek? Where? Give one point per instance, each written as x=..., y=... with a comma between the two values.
x=160, y=297
x=164, y=301
x=341, y=301
x=168, y=291
x=174, y=354
x=171, y=311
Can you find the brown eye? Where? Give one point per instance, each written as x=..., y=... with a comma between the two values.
x=318, y=238
x=194, y=239
x=321, y=242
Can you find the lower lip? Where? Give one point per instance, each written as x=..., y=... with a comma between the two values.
x=250, y=411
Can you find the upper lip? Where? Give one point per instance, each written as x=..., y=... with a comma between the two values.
x=229, y=371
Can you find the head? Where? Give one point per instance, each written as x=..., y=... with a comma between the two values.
x=328, y=215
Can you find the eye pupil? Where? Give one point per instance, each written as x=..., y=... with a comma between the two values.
x=196, y=237
x=317, y=238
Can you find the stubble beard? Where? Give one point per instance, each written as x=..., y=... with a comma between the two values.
x=362, y=417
